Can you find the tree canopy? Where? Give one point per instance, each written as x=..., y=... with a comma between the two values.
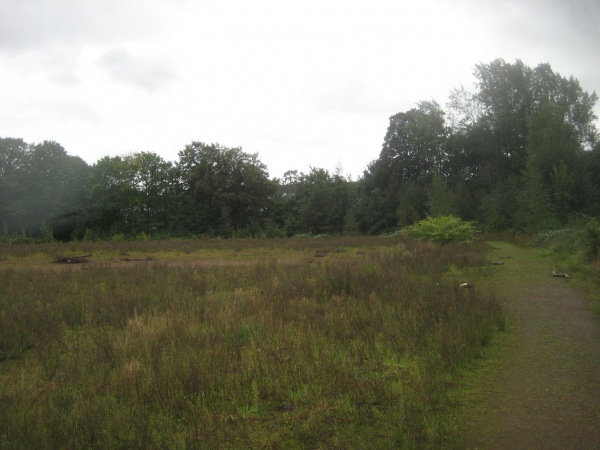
x=40, y=185
x=519, y=152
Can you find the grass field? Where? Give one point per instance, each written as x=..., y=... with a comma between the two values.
x=297, y=343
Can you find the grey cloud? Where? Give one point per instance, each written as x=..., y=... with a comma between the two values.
x=569, y=26
x=148, y=74
x=27, y=24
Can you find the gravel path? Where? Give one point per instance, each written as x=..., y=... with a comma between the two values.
x=543, y=391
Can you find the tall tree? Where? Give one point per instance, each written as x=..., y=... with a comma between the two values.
x=13, y=154
x=41, y=185
x=504, y=93
x=520, y=123
x=59, y=182
x=555, y=153
x=414, y=145
x=111, y=197
x=131, y=194
x=568, y=100
x=315, y=203
x=372, y=212
x=223, y=189
x=414, y=149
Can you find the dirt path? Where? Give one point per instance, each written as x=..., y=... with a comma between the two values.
x=543, y=391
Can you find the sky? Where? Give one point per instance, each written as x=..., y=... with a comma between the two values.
x=304, y=84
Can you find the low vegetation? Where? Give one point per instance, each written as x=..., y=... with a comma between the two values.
x=576, y=247
x=443, y=229
x=347, y=343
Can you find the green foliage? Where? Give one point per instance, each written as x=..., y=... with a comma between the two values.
x=412, y=203
x=131, y=194
x=375, y=208
x=443, y=229
x=118, y=237
x=40, y=183
x=412, y=153
x=90, y=235
x=593, y=239
x=413, y=145
x=440, y=200
x=316, y=203
x=46, y=234
x=521, y=152
x=498, y=208
x=222, y=189
x=577, y=247
x=521, y=127
x=536, y=211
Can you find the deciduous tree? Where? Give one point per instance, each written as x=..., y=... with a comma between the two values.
x=222, y=189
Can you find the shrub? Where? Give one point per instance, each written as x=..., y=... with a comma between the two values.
x=443, y=229
x=46, y=234
x=593, y=239
x=581, y=237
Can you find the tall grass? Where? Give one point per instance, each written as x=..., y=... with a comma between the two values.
x=355, y=352
x=576, y=248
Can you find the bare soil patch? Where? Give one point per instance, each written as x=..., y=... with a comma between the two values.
x=543, y=391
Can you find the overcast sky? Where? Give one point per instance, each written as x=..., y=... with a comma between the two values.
x=302, y=83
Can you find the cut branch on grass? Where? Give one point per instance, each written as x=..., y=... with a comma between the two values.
x=73, y=259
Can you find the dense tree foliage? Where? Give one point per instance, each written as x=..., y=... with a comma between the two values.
x=520, y=152
x=130, y=195
x=222, y=190
x=316, y=203
x=413, y=152
x=41, y=187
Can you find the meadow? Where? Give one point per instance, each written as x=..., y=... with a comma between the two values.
x=258, y=343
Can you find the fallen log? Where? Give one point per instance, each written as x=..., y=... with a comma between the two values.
x=560, y=274
x=73, y=259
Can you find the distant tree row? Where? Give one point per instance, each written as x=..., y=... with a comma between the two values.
x=521, y=152
x=211, y=191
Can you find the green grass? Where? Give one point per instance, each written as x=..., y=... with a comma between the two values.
x=35, y=254
x=575, y=250
x=358, y=347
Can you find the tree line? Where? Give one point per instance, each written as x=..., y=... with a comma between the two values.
x=521, y=152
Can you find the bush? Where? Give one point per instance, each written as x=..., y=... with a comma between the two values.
x=593, y=239
x=581, y=237
x=444, y=229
